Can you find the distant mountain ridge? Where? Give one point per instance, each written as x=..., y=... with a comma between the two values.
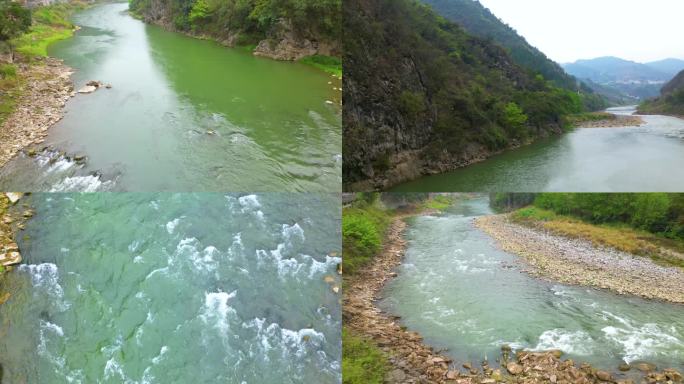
x=636, y=81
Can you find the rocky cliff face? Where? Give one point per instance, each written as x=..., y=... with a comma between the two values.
x=421, y=96
x=281, y=41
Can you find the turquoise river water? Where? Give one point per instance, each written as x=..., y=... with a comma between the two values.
x=174, y=288
x=462, y=293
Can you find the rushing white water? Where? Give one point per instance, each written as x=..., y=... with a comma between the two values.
x=175, y=288
x=462, y=293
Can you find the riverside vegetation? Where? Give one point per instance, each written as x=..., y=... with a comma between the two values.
x=423, y=95
x=628, y=243
x=306, y=30
x=671, y=100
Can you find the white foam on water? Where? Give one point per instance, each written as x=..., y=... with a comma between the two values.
x=205, y=260
x=251, y=204
x=292, y=232
x=138, y=259
x=132, y=247
x=641, y=341
x=171, y=225
x=285, y=342
x=60, y=165
x=573, y=342
x=56, y=329
x=45, y=277
x=216, y=311
x=90, y=183
x=162, y=352
x=249, y=201
x=113, y=369
x=287, y=267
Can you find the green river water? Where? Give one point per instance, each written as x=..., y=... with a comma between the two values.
x=174, y=288
x=459, y=291
x=649, y=158
x=184, y=115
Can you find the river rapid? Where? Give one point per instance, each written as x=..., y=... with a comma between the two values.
x=462, y=293
x=649, y=158
x=183, y=114
x=175, y=288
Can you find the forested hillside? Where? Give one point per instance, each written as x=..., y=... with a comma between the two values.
x=423, y=96
x=671, y=100
x=479, y=21
x=282, y=29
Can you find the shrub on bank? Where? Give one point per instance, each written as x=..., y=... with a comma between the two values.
x=363, y=228
x=362, y=362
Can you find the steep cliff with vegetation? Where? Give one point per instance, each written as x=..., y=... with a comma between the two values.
x=481, y=22
x=281, y=29
x=423, y=96
x=671, y=100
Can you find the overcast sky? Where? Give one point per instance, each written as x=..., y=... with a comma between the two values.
x=567, y=30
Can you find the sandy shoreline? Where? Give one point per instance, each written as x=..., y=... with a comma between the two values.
x=578, y=262
x=47, y=86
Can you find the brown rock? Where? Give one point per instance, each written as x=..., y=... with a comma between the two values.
x=514, y=368
x=604, y=376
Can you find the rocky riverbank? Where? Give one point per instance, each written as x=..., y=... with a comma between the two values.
x=412, y=361
x=620, y=121
x=579, y=262
x=410, y=165
x=9, y=223
x=45, y=88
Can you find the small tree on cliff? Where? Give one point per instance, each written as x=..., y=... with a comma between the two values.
x=14, y=21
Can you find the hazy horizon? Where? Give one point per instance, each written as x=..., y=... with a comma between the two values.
x=571, y=30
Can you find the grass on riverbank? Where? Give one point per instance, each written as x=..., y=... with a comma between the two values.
x=362, y=361
x=9, y=90
x=662, y=250
x=439, y=203
x=328, y=64
x=363, y=230
x=50, y=24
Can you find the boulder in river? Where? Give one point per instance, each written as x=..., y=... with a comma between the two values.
x=87, y=89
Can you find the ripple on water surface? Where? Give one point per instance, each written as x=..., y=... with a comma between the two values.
x=160, y=288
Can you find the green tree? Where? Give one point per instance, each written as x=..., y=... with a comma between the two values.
x=14, y=21
x=515, y=118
